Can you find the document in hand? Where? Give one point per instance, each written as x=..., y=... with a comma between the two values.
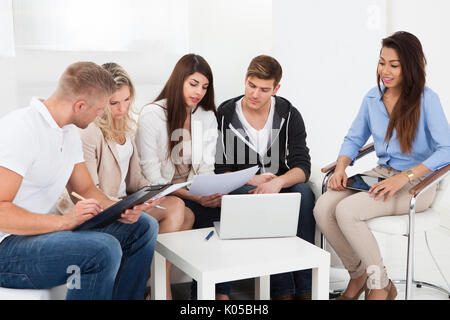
x=171, y=189
x=208, y=184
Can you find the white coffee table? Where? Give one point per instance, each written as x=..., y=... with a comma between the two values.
x=214, y=261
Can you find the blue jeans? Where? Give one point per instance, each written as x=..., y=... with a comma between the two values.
x=298, y=282
x=113, y=262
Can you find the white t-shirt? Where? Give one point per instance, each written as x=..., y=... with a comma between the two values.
x=125, y=152
x=34, y=146
x=258, y=138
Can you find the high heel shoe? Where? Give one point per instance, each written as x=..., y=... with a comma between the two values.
x=357, y=295
x=391, y=291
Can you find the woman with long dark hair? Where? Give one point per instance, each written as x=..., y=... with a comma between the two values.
x=412, y=139
x=177, y=134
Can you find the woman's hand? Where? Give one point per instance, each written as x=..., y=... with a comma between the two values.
x=212, y=201
x=130, y=216
x=338, y=180
x=152, y=203
x=388, y=186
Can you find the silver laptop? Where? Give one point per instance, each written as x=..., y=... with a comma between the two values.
x=258, y=216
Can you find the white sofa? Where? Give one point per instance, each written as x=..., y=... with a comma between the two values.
x=56, y=293
x=59, y=293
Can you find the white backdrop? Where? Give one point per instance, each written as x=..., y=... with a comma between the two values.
x=328, y=50
x=428, y=20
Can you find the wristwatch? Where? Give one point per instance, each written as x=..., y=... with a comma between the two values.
x=409, y=174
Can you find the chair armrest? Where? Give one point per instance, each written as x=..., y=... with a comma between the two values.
x=433, y=178
x=368, y=148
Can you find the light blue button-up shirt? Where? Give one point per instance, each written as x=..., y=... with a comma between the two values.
x=431, y=146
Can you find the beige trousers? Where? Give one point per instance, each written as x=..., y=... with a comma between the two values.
x=341, y=216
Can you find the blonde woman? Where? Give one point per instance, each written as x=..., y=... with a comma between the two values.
x=113, y=162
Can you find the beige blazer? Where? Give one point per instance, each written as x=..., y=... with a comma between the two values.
x=102, y=161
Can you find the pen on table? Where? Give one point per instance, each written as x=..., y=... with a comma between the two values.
x=209, y=235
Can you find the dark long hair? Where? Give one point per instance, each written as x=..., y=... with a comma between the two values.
x=173, y=92
x=406, y=112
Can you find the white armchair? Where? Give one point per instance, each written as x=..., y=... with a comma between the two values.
x=408, y=225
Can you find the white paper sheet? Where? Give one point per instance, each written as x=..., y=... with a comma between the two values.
x=208, y=184
x=171, y=189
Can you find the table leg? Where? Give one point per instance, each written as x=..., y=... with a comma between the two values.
x=206, y=290
x=321, y=282
x=158, y=277
x=262, y=288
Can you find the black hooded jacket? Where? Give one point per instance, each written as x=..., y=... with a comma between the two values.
x=287, y=144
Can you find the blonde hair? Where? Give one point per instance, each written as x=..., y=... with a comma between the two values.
x=109, y=126
x=85, y=80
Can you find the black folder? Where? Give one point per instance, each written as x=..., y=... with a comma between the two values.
x=113, y=213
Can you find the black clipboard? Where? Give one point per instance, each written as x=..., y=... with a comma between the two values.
x=113, y=213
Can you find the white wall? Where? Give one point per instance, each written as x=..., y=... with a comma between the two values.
x=329, y=52
x=6, y=28
x=228, y=34
x=8, y=86
x=429, y=21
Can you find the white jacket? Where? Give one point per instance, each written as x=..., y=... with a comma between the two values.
x=152, y=143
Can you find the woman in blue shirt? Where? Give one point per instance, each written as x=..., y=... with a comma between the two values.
x=412, y=139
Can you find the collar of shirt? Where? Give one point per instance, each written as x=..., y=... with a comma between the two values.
x=42, y=109
x=375, y=92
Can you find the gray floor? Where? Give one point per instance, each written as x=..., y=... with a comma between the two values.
x=245, y=290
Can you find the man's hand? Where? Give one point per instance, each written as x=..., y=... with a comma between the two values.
x=259, y=179
x=80, y=213
x=273, y=186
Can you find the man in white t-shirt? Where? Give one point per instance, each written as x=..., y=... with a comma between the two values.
x=40, y=155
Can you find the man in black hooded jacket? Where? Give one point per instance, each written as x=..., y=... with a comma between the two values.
x=260, y=128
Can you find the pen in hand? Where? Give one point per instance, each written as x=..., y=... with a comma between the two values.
x=76, y=195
